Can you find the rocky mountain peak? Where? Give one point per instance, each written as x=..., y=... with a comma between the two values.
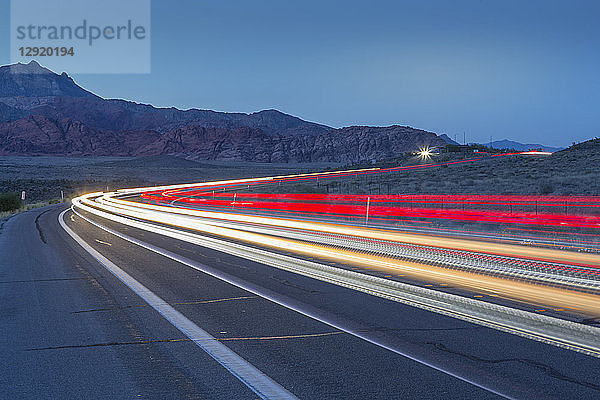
x=30, y=68
x=33, y=80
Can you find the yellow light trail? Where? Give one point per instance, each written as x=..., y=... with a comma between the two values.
x=586, y=303
x=504, y=249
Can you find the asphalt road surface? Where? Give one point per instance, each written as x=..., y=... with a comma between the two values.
x=71, y=329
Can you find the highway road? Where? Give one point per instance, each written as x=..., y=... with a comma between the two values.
x=195, y=322
x=177, y=292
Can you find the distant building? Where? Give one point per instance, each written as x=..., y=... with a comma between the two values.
x=457, y=148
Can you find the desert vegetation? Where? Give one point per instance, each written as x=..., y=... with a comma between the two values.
x=9, y=201
x=574, y=171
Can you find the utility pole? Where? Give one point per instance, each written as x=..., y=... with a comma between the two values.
x=464, y=137
x=367, y=212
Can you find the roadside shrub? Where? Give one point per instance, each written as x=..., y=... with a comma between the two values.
x=10, y=201
x=303, y=188
x=546, y=188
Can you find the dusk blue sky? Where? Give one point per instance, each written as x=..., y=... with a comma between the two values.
x=524, y=70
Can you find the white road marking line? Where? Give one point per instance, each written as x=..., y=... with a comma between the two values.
x=257, y=381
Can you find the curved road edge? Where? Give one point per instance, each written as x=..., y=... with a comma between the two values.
x=258, y=382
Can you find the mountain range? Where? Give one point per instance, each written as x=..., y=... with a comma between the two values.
x=511, y=144
x=507, y=144
x=44, y=113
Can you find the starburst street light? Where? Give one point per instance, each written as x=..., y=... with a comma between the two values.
x=425, y=153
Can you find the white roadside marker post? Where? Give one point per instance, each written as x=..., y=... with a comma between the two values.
x=367, y=212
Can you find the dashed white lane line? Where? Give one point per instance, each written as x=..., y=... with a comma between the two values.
x=257, y=381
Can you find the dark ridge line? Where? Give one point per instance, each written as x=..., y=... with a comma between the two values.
x=546, y=369
x=591, y=321
x=293, y=285
x=185, y=303
x=282, y=337
x=43, y=280
x=39, y=228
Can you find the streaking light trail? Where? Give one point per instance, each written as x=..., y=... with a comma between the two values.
x=322, y=226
